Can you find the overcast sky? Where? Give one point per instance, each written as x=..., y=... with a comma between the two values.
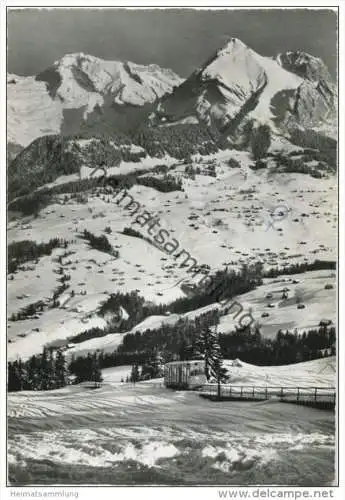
x=179, y=39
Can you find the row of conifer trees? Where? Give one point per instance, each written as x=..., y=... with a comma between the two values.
x=49, y=370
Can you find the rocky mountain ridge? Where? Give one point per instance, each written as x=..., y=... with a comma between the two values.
x=78, y=88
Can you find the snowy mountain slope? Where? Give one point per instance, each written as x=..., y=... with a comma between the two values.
x=243, y=73
x=219, y=208
x=12, y=151
x=238, y=85
x=53, y=156
x=320, y=304
x=221, y=221
x=31, y=112
x=103, y=279
x=43, y=104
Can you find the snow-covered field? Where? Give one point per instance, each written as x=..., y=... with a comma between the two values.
x=144, y=433
x=316, y=373
x=282, y=313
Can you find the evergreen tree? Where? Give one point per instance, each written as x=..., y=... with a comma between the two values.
x=96, y=373
x=22, y=375
x=261, y=141
x=86, y=367
x=12, y=378
x=51, y=365
x=247, y=132
x=60, y=370
x=185, y=350
x=208, y=348
x=33, y=373
x=46, y=371
x=153, y=367
x=16, y=376
x=134, y=377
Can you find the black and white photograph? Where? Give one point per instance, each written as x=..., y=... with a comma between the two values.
x=171, y=287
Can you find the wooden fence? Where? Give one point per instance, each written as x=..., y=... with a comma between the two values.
x=310, y=396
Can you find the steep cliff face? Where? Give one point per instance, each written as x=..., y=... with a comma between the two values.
x=235, y=78
x=237, y=85
x=305, y=65
x=308, y=106
x=314, y=102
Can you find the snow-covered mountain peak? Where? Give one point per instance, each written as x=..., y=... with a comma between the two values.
x=237, y=85
x=239, y=68
x=82, y=76
x=69, y=59
x=83, y=83
x=235, y=68
x=231, y=46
